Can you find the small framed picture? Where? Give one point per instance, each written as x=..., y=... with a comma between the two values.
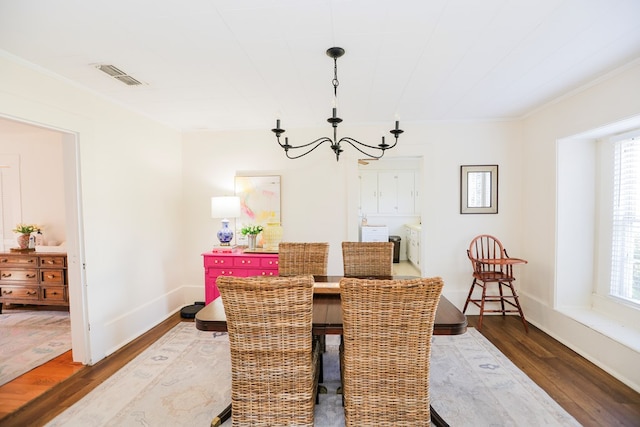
x=479, y=189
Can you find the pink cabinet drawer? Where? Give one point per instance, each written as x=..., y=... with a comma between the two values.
x=246, y=262
x=217, y=261
x=271, y=262
x=213, y=273
x=263, y=272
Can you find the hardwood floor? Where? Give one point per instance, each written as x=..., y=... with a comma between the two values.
x=592, y=396
x=42, y=409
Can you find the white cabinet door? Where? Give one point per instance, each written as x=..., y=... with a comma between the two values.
x=368, y=192
x=387, y=193
x=414, y=248
x=407, y=237
x=406, y=192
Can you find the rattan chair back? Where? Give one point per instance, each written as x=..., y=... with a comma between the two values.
x=387, y=330
x=361, y=259
x=274, y=362
x=302, y=258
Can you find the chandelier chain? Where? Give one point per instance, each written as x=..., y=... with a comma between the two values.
x=335, y=81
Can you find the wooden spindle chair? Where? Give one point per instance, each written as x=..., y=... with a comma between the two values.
x=492, y=265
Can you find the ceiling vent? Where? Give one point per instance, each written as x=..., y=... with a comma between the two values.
x=118, y=74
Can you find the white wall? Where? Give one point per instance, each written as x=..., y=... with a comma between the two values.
x=319, y=195
x=604, y=103
x=42, y=187
x=131, y=207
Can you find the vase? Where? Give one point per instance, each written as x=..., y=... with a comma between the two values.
x=272, y=235
x=23, y=241
x=251, y=240
x=225, y=234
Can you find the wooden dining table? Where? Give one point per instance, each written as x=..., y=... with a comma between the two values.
x=327, y=317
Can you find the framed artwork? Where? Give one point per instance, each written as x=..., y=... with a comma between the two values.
x=479, y=189
x=259, y=202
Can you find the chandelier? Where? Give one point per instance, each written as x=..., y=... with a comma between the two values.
x=371, y=151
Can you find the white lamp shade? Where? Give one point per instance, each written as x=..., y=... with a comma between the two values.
x=225, y=207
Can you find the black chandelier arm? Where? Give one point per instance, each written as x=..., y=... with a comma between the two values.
x=316, y=143
x=357, y=144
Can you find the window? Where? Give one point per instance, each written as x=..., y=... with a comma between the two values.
x=625, y=253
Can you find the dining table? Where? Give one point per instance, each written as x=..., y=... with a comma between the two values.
x=327, y=318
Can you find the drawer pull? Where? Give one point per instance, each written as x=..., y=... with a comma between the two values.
x=31, y=261
x=31, y=292
x=31, y=276
x=6, y=274
x=49, y=261
x=7, y=292
x=50, y=276
x=4, y=260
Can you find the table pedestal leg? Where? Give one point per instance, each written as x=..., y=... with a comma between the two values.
x=437, y=419
x=222, y=417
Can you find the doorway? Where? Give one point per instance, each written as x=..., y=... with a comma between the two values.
x=71, y=216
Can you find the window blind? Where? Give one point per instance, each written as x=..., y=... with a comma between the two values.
x=625, y=256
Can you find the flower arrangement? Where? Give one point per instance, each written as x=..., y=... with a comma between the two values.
x=26, y=228
x=251, y=229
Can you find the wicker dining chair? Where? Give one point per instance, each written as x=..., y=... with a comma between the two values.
x=362, y=259
x=386, y=349
x=302, y=258
x=274, y=360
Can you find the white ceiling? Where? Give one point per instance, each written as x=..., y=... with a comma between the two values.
x=237, y=64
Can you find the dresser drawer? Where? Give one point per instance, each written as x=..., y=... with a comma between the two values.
x=54, y=293
x=52, y=277
x=53, y=261
x=24, y=275
x=213, y=261
x=269, y=263
x=19, y=292
x=18, y=261
x=213, y=273
x=263, y=272
x=246, y=262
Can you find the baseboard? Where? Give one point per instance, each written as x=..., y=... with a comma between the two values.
x=599, y=347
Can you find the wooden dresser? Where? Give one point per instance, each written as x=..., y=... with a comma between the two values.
x=237, y=264
x=33, y=278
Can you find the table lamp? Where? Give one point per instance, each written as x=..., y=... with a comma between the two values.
x=225, y=207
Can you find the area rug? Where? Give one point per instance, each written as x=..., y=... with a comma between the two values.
x=30, y=338
x=184, y=380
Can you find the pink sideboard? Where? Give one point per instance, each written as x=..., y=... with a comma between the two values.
x=237, y=264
